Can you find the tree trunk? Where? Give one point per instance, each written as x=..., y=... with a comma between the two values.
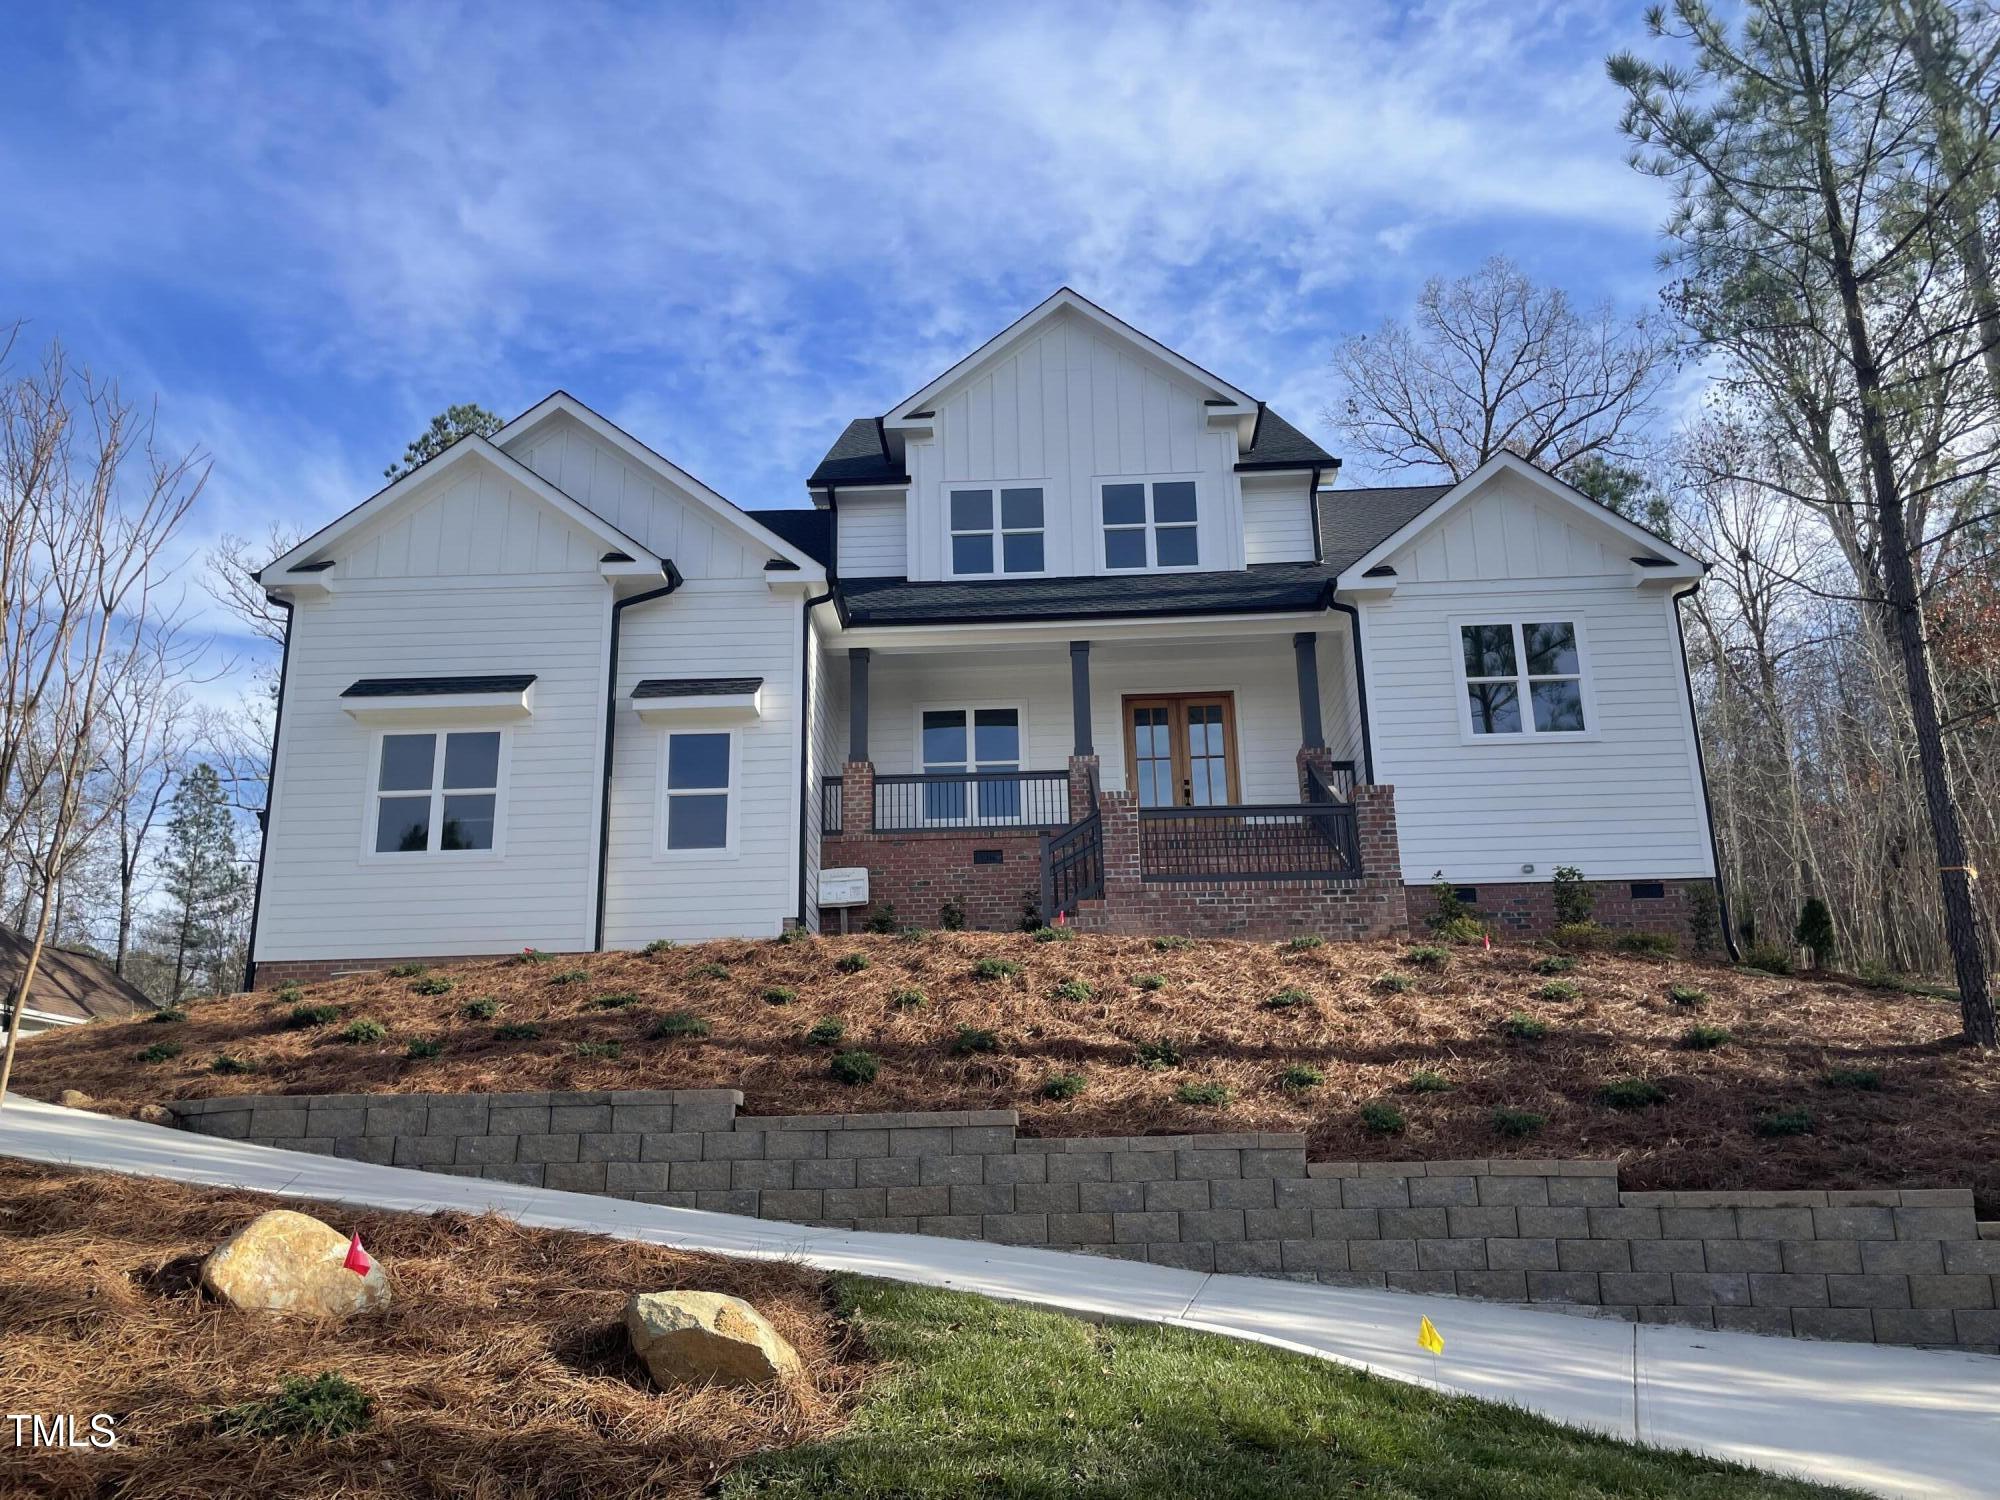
x=21, y=992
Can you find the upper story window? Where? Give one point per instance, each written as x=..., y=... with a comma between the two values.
x=1537, y=663
x=436, y=793
x=996, y=530
x=1150, y=524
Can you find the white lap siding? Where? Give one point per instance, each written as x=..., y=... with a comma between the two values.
x=323, y=897
x=1625, y=803
x=708, y=628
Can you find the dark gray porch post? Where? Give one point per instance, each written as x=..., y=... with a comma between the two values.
x=857, y=704
x=1079, y=696
x=1305, y=653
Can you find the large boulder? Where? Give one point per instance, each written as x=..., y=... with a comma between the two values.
x=153, y=1114
x=73, y=1099
x=693, y=1338
x=286, y=1262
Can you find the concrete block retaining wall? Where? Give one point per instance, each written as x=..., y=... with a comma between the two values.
x=1901, y=1266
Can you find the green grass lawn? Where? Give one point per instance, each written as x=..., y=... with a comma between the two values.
x=983, y=1398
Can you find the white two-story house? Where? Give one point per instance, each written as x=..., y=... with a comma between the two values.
x=1078, y=627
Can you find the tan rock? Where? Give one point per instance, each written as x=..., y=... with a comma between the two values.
x=153, y=1114
x=286, y=1262
x=692, y=1338
x=73, y=1099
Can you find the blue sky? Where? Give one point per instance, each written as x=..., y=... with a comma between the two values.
x=731, y=228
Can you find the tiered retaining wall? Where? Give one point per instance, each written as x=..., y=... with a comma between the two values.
x=1897, y=1266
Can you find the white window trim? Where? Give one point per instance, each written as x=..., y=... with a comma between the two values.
x=1018, y=765
x=998, y=531
x=730, y=848
x=1586, y=678
x=1151, y=526
x=371, y=793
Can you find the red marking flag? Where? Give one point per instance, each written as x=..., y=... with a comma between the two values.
x=359, y=1261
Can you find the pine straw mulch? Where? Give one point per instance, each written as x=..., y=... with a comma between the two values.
x=500, y=1368
x=1935, y=1121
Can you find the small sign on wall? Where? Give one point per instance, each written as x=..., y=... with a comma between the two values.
x=847, y=886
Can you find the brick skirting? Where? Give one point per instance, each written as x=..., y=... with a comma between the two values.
x=1897, y=1266
x=995, y=877
x=1527, y=909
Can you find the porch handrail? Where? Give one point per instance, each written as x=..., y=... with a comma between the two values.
x=912, y=802
x=1335, y=784
x=1072, y=866
x=1265, y=841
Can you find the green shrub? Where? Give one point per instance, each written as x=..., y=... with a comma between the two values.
x=789, y=935
x=423, y=1049
x=1287, y=1000
x=1768, y=960
x=659, y=946
x=1062, y=1085
x=1659, y=944
x=995, y=968
x=951, y=914
x=1157, y=1056
x=882, y=918
x=1071, y=989
x=1379, y=1117
x=1427, y=956
x=709, y=971
x=1053, y=934
x=1555, y=963
x=1517, y=1122
x=908, y=1000
x=1557, y=989
x=1300, y=1077
x=1446, y=908
x=302, y=1016
x=168, y=1013
x=483, y=1009
x=676, y=1024
x=1208, y=1095
x=971, y=1039
x=1867, y=1080
x=854, y=1067
x=1688, y=995
x=614, y=1002
x=570, y=976
x=1631, y=1093
x=227, y=1063
x=363, y=1031
x=1703, y=916
x=1776, y=1122
x=1303, y=944
x=1524, y=1028
x=780, y=994
x=1703, y=1038
x=1461, y=930
x=1575, y=898
x=827, y=1032
x=597, y=1049
x=326, y=1406
x=517, y=1031
x=432, y=984
x=1579, y=935
x=406, y=971
x=1150, y=982
x=1393, y=983
x=1429, y=1081
x=288, y=993
x=161, y=1052
x=1172, y=942
x=851, y=963
x=1815, y=931
x=532, y=956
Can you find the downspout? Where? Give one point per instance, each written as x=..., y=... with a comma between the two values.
x=806, y=788
x=270, y=796
x=1360, y=686
x=1701, y=767
x=1312, y=501
x=618, y=608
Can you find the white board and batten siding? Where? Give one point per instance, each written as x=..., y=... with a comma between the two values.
x=870, y=535
x=1277, y=518
x=1066, y=409
x=1623, y=801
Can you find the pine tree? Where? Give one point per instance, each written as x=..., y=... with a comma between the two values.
x=202, y=880
x=1815, y=931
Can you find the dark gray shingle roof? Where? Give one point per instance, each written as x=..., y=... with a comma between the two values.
x=695, y=687
x=858, y=457
x=1352, y=523
x=424, y=687
x=1276, y=443
x=811, y=531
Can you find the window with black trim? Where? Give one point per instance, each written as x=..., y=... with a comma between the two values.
x=433, y=797
x=1150, y=524
x=1537, y=663
x=996, y=529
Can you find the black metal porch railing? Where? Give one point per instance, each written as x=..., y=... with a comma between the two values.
x=1072, y=866
x=971, y=799
x=829, y=804
x=1316, y=840
x=1335, y=784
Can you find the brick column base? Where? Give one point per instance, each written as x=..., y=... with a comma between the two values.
x=857, y=797
x=1318, y=756
x=1082, y=785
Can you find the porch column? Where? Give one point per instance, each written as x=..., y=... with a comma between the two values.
x=1305, y=654
x=857, y=704
x=1079, y=697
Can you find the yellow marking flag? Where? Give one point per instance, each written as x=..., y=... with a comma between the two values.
x=1428, y=1337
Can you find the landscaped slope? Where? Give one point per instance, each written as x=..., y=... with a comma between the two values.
x=1870, y=1084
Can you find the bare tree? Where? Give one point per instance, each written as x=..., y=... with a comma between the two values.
x=1493, y=363
x=88, y=505
x=240, y=742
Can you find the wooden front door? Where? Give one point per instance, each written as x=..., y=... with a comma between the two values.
x=1182, y=749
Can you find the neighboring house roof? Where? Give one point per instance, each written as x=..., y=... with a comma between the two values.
x=811, y=531
x=695, y=687
x=423, y=687
x=1277, y=444
x=858, y=456
x=69, y=983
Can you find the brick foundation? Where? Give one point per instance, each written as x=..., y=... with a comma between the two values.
x=1527, y=909
x=917, y=873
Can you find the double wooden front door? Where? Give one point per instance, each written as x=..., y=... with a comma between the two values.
x=1182, y=749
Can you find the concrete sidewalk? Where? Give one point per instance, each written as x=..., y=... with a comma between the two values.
x=1894, y=1421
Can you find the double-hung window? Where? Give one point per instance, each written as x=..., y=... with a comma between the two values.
x=996, y=530
x=1150, y=524
x=436, y=793
x=1522, y=677
x=961, y=740
x=700, y=768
